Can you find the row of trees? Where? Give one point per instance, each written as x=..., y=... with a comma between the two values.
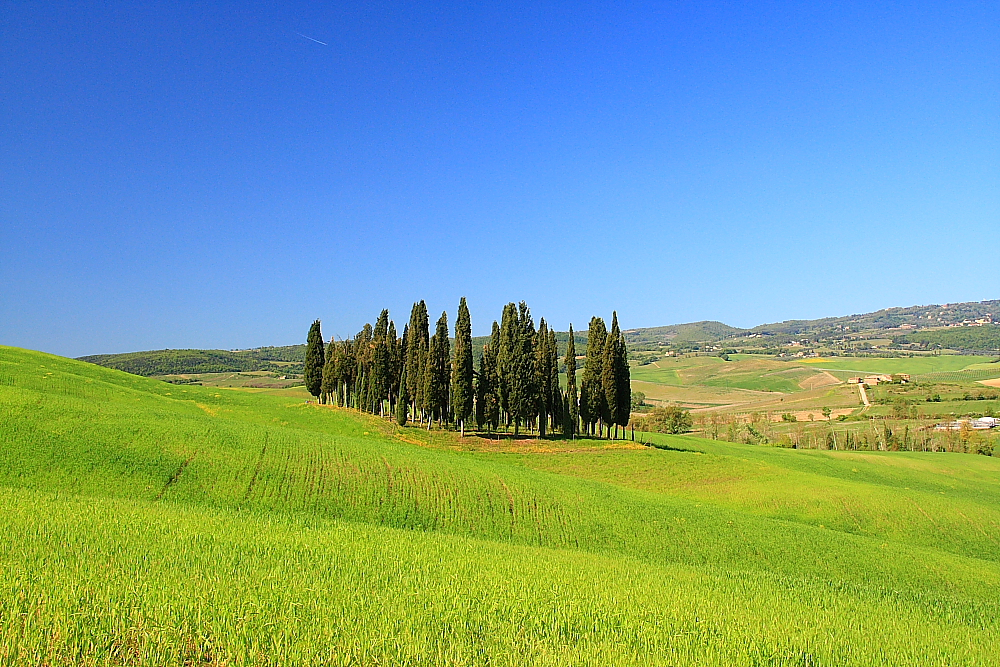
x=421, y=377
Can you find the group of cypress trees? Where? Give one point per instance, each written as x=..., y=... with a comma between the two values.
x=418, y=377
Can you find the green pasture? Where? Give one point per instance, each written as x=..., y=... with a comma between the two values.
x=945, y=363
x=148, y=523
x=746, y=372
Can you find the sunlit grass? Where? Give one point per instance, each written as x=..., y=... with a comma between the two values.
x=147, y=523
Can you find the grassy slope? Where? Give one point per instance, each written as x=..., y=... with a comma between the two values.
x=288, y=531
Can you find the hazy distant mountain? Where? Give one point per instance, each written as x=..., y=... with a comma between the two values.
x=916, y=317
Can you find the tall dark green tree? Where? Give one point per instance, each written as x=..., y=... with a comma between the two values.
x=487, y=384
x=403, y=400
x=623, y=407
x=380, y=373
x=462, y=395
x=437, y=372
x=506, y=353
x=417, y=347
x=609, y=377
x=328, y=389
x=554, y=391
x=591, y=389
x=571, y=415
x=363, y=349
x=315, y=360
x=543, y=371
x=516, y=365
x=394, y=366
x=346, y=372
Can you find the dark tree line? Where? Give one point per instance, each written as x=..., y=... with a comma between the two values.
x=419, y=377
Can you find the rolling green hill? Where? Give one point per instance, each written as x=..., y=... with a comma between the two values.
x=887, y=318
x=147, y=523
x=172, y=362
x=681, y=333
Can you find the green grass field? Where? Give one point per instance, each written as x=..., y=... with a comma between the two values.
x=913, y=365
x=148, y=523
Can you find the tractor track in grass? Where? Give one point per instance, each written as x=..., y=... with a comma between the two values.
x=256, y=470
x=176, y=476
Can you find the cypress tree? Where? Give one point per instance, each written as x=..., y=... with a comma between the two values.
x=425, y=398
x=494, y=407
x=461, y=375
x=417, y=343
x=507, y=351
x=380, y=370
x=591, y=389
x=523, y=391
x=623, y=409
x=401, y=361
x=394, y=368
x=609, y=379
x=362, y=371
x=346, y=366
x=328, y=389
x=556, y=406
x=487, y=396
x=313, y=368
x=572, y=412
x=442, y=369
x=542, y=376
x=437, y=373
x=402, y=402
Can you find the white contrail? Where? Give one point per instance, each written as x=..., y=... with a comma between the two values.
x=311, y=39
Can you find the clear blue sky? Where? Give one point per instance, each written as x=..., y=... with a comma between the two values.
x=205, y=175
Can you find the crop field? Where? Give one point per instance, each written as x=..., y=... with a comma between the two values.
x=753, y=383
x=150, y=523
x=913, y=365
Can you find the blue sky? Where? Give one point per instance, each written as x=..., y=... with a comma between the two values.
x=202, y=175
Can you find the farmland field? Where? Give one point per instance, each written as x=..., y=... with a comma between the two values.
x=754, y=383
x=911, y=365
x=149, y=523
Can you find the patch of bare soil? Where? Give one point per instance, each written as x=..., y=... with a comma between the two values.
x=813, y=415
x=818, y=381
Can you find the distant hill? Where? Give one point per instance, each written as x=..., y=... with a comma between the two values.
x=926, y=322
x=171, y=362
x=984, y=338
x=920, y=317
x=694, y=332
x=916, y=317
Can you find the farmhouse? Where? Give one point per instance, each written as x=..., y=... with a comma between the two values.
x=871, y=380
